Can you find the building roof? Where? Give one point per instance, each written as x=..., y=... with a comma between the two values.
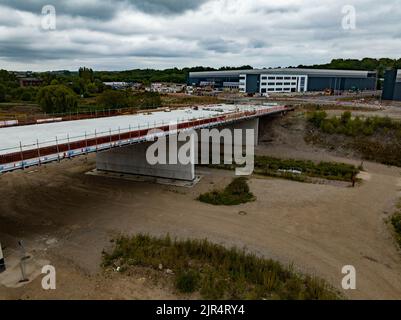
x=30, y=79
x=290, y=71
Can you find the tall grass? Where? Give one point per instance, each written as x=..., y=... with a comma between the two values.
x=215, y=271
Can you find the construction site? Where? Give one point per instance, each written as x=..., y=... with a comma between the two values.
x=53, y=212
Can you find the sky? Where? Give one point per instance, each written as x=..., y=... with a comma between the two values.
x=159, y=34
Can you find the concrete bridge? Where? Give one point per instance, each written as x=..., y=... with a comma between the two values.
x=121, y=141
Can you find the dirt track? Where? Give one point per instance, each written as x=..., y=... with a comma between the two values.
x=68, y=217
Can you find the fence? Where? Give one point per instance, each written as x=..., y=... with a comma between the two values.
x=22, y=156
x=26, y=119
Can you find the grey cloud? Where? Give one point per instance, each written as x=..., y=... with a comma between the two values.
x=167, y=6
x=102, y=9
x=116, y=34
x=219, y=45
x=105, y=9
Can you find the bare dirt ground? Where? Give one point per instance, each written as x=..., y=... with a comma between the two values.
x=68, y=218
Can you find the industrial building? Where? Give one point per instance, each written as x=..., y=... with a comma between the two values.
x=264, y=81
x=392, y=85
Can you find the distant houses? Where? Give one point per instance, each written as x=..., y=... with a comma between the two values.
x=30, y=82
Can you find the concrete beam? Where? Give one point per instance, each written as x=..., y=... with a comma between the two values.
x=132, y=160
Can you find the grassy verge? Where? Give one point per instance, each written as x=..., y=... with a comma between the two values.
x=214, y=271
x=300, y=170
x=235, y=193
x=310, y=107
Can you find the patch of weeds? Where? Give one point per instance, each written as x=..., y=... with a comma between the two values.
x=215, y=271
x=235, y=193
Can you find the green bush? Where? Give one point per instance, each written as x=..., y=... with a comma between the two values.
x=282, y=168
x=187, y=281
x=235, y=193
x=26, y=96
x=351, y=127
x=57, y=99
x=396, y=223
x=217, y=272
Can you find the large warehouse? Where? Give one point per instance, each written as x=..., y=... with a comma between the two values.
x=392, y=85
x=285, y=80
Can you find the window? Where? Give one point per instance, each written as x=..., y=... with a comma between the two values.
x=287, y=83
x=279, y=84
x=270, y=89
x=271, y=83
x=272, y=78
x=279, y=78
x=287, y=78
x=263, y=83
x=264, y=90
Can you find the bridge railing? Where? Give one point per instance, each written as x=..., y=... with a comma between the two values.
x=57, y=149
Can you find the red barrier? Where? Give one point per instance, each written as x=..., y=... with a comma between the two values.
x=24, y=155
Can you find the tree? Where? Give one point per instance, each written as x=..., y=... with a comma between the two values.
x=26, y=96
x=112, y=99
x=2, y=93
x=86, y=74
x=57, y=99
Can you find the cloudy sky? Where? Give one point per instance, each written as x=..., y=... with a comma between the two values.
x=127, y=34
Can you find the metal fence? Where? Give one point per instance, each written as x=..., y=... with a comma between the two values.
x=23, y=156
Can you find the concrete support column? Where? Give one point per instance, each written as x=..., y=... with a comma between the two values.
x=2, y=262
x=252, y=124
x=221, y=145
x=133, y=160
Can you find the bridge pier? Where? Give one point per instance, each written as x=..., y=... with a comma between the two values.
x=133, y=159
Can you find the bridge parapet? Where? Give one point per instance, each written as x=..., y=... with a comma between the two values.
x=20, y=155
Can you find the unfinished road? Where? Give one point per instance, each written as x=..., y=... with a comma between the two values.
x=67, y=218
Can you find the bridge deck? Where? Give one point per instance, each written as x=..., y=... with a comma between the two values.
x=29, y=145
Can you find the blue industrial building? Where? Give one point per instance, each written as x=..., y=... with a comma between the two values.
x=392, y=85
x=265, y=81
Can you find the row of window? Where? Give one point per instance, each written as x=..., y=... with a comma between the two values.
x=279, y=84
x=278, y=78
x=264, y=90
x=279, y=89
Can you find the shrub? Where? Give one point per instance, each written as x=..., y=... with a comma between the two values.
x=317, y=118
x=235, y=193
x=113, y=99
x=57, y=99
x=396, y=223
x=26, y=96
x=351, y=127
x=187, y=281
